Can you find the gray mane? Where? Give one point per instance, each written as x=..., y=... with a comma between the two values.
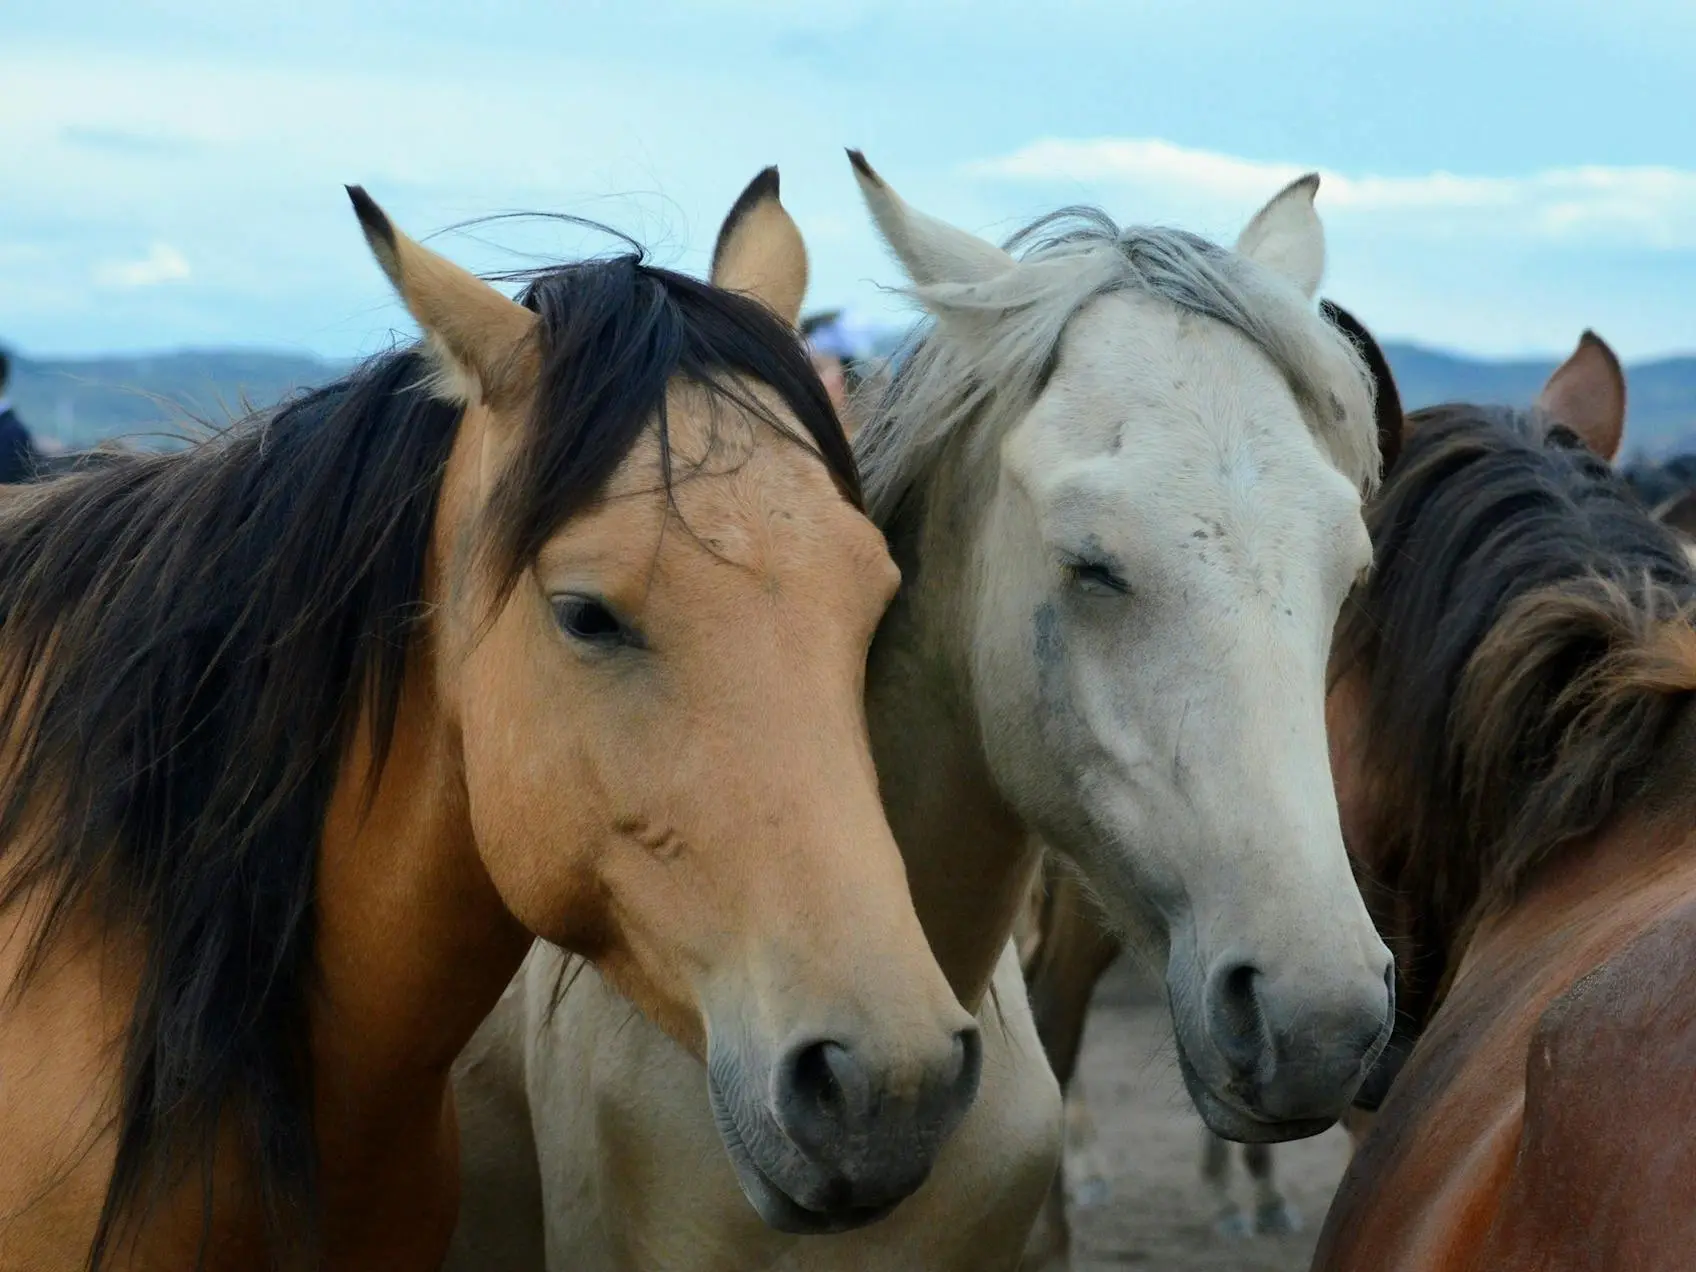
x=999, y=338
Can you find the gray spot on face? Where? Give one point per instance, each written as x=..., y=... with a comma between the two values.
x=1050, y=643
x=1058, y=719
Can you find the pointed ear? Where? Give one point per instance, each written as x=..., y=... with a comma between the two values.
x=1286, y=237
x=1587, y=394
x=760, y=252
x=931, y=251
x=1679, y=512
x=483, y=341
x=1386, y=400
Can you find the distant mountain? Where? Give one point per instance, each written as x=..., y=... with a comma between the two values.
x=1661, y=395
x=78, y=402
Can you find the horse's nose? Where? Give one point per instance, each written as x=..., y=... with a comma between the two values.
x=1296, y=1049
x=872, y=1127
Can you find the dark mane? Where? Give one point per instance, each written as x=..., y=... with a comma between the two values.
x=187, y=642
x=1526, y=645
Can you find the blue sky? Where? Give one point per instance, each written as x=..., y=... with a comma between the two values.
x=1498, y=175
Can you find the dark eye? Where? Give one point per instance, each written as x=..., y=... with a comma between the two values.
x=1097, y=579
x=586, y=619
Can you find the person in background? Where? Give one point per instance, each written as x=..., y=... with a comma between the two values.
x=823, y=346
x=17, y=451
x=841, y=352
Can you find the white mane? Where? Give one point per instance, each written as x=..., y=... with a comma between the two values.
x=978, y=379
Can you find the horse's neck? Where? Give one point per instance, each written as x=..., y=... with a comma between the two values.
x=970, y=860
x=414, y=945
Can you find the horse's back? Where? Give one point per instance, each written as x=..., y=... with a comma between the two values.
x=1605, y=1177
x=1539, y=1123
x=61, y=1021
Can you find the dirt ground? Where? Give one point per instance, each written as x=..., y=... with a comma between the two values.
x=1138, y=1196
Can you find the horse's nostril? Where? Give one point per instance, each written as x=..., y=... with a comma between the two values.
x=1235, y=1017
x=814, y=1076
x=820, y=1092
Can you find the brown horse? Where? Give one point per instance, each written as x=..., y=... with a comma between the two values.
x=1514, y=748
x=556, y=625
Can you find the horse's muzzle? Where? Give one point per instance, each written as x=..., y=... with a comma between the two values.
x=826, y=1135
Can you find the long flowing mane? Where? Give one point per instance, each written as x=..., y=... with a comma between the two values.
x=1526, y=642
x=978, y=388
x=188, y=641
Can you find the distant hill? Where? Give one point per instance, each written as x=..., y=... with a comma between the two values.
x=78, y=402
x=1661, y=395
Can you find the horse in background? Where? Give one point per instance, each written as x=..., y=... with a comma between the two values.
x=43, y=465
x=842, y=353
x=1515, y=745
x=1668, y=490
x=50, y=464
x=1085, y=583
x=312, y=729
x=1657, y=482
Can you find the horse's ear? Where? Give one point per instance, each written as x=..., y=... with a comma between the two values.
x=931, y=251
x=1286, y=237
x=760, y=252
x=1587, y=394
x=1679, y=512
x=482, y=340
x=1386, y=400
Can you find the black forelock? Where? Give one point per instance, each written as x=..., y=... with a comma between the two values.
x=618, y=332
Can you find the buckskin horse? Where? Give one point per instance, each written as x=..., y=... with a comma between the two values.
x=1514, y=744
x=554, y=626
x=1122, y=474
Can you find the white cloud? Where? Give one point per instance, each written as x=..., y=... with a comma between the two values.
x=1645, y=207
x=162, y=264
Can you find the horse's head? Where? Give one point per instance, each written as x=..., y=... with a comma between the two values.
x=1502, y=676
x=652, y=592
x=1154, y=453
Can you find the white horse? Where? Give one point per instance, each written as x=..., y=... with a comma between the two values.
x=1122, y=476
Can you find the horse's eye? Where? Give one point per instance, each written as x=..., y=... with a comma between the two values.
x=586, y=619
x=1097, y=579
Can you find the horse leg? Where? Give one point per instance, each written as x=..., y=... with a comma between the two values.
x=1229, y=1220
x=1065, y=948
x=1072, y=949
x=1272, y=1213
